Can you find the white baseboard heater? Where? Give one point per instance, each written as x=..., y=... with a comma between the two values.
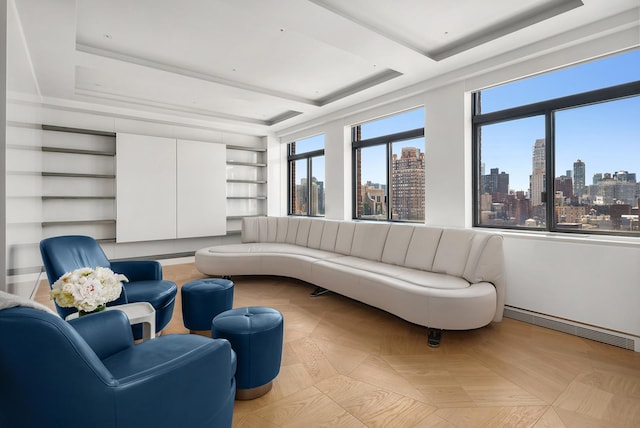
x=581, y=330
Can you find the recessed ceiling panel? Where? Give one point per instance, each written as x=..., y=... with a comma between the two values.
x=131, y=84
x=441, y=28
x=219, y=41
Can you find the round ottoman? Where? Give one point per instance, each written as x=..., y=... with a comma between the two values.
x=202, y=300
x=255, y=334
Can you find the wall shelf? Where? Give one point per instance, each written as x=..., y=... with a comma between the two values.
x=86, y=187
x=257, y=164
x=247, y=149
x=77, y=151
x=76, y=175
x=246, y=184
x=240, y=217
x=247, y=197
x=248, y=181
x=76, y=223
x=45, y=198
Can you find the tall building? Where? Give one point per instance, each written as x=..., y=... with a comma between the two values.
x=579, y=179
x=496, y=182
x=564, y=184
x=537, y=187
x=407, y=184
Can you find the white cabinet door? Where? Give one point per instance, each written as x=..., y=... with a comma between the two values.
x=202, y=192
x=145, y=188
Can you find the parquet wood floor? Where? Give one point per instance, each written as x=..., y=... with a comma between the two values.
x=346, y=364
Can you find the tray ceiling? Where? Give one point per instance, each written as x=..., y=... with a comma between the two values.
x=258, y=63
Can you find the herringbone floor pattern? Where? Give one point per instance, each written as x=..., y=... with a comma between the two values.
x=346, y=364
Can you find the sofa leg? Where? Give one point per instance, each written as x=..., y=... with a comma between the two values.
x=433, y=337
x=319, y=291
x=226, y=277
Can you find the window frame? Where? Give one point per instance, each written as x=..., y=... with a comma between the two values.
x=388, y=141
x=293, y=158
x=547, y=109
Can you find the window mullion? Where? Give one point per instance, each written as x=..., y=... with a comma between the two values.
x=550, y=168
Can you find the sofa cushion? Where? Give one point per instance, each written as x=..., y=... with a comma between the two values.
x=303, y=232
x=315, y=233
x=271, y=230
x=397, y=243
x=368, y=240
x=250, y=231
x=453, y=251
x=281, y=230
x=344, y=238
x=329, y=235
x=422, y=247
x=292, y=230
x=417, y=277
x=264, y=248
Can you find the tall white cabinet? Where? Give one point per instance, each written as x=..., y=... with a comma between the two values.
x=168, y=188
x=201, y=195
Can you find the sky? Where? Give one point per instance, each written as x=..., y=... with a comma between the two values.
x=606, y=137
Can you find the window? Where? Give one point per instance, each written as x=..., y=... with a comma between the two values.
x=585, y=135
x=306, y=176
x=388, y=165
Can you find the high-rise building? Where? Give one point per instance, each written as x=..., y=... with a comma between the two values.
x=564, y=184
x=407, y=184
x=495, y=183
x=537, y=187
x=579, y=179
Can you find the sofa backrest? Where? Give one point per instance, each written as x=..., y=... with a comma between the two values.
x=467, y=253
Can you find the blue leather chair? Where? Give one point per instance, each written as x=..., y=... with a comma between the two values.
x=63, y=254
x=89, y=373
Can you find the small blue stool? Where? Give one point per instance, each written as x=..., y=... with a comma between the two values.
x=255, y=334
x=202, y=300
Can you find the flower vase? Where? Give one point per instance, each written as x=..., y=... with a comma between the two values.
x=100, y=308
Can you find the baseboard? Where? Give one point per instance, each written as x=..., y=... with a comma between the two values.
x=577, y=329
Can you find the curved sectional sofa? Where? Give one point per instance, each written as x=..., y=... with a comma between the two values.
x=440, y=278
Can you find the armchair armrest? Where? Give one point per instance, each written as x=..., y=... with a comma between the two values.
x=138, y=270
x=107, y=333
x=183, y=367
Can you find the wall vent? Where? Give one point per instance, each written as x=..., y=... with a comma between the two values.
x=572, y=328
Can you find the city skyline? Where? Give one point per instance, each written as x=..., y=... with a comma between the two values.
x=603, y=135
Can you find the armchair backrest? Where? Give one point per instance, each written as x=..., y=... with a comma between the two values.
x=43, y=359
x=62, y=254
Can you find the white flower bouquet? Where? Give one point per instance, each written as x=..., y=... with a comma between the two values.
x=87, y=289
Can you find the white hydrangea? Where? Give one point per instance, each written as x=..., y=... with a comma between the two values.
x=87, y=289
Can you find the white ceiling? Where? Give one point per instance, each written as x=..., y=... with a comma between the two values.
x=267, y=64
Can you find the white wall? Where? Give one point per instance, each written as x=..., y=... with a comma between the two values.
x=587, y=280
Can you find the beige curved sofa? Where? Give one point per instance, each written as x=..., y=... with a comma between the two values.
x=441, y=278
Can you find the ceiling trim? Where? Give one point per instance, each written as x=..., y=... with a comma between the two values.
x=500, y=29
x=282, y=117
x=525, y=19
x=92, y=50
x=360, y=86
x=171, y=107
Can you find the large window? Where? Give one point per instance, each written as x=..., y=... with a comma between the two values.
x=388, y=165
x=561, y=151
x=306, y=176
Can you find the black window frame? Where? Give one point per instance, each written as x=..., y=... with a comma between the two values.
x=546, y=109
x=388, y=141
x=293, y=157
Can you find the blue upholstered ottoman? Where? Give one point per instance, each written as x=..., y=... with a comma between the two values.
x=255, y=334
x=202, y=300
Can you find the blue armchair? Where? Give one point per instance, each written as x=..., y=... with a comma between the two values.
x=63, y=254
x=89, y=372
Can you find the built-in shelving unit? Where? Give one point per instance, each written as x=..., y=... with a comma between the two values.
x=246, y=184
x=78, y=182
